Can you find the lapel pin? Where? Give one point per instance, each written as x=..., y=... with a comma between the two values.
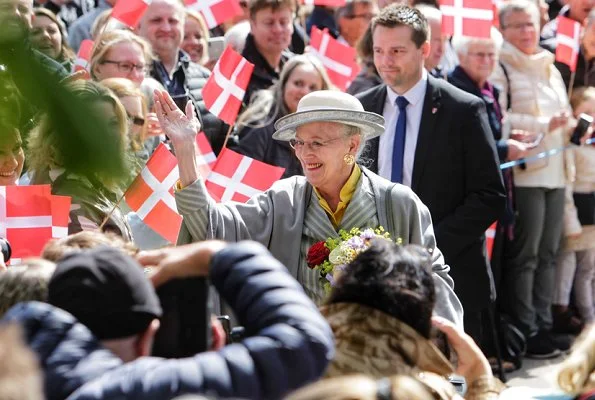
x=434, y=110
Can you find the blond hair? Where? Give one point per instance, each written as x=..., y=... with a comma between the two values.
x=56, y=249
x=66, y=53
x=362, y=387
x=123, y=87
x=27, y=281
x=581, y=95
x=20, y=375
x=107, y=40
x=43, y=150
x=190, y=14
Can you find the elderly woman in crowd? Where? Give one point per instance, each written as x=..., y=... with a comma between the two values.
x=196, y=37
x=120, y=54
x=327, y=131
x=536, y=100
x=48, y=36
x=301, y=75
x=93, y=193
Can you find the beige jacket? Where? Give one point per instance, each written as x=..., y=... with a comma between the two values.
x=537, y=92
x=582, y=181
x=373, y=343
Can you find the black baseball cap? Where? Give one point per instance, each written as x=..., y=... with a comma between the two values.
x=106, y=290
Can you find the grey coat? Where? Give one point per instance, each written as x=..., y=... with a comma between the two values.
x=275, y=218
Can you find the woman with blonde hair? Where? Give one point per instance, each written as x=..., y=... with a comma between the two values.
x=196, y=37
x=49, y=36
x=301, y=75
x=94, y=193
x=120, y=54
x=134, y=103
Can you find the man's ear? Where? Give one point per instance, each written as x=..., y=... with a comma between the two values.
x=425, y=49
x=144, y=343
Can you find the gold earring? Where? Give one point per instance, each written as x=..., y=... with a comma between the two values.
x=349, y=159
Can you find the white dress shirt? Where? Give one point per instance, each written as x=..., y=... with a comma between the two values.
x=415, y=96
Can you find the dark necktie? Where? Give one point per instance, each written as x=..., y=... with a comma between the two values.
x=399, y=144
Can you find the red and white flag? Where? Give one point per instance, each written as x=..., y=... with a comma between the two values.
x=25, y=219
x=205, y=157
x=328, y=3
x=151, y=194
x=338, y=58
x=224, y=91
x=215, y=12
x=237, y=177
x=60, y=216
x=130, y=12
x=84, y=56
x=568, y=42
x=473, y=18
x=490, y=236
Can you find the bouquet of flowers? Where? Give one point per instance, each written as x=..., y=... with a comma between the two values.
x=331, y=256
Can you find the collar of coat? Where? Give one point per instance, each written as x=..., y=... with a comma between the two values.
x=381, y=342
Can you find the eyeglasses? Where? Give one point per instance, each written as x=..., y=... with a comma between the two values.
x=134, y=120
x=314, y=145
x=519, y=26
x=126, y=67
x=482, y=55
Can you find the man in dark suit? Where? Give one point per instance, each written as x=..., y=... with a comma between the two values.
x=438, y=142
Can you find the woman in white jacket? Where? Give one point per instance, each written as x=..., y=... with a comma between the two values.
x=534, y=95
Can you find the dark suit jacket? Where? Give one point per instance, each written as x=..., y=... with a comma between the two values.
x=456, y=174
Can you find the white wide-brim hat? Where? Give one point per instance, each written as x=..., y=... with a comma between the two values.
x=330, y=106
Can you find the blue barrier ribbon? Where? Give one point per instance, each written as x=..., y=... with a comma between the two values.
x=539, y=156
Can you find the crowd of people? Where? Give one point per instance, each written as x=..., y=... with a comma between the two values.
x=436, y=138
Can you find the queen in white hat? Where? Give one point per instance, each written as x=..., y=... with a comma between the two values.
x=328, y=133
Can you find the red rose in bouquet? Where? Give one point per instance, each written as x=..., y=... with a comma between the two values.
x=317, y=254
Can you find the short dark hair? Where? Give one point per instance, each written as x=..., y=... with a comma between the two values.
x=255, y=6
x=396, y=280
x=395, y=15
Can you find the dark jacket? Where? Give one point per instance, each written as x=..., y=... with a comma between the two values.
x=460, y=79
x=366, y=79
x=264, y=75
x=585, y=69
x=288, y=343
x=456, y=175
x=259, y=144
x=196, y=77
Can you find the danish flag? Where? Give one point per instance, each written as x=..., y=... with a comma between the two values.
x=60, y=216
x=237, y=177
x=568, y=42
x=26, y=219
x=337, y=58
x=84, y=56
x=224, y=91
x=467, y=17
x=329, y=3
x=151, y=194
x=490, y=236
x=130, y=12
x=215, y=12
x=205, y=157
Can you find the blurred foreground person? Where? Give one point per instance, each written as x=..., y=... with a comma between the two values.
x=380, y=311
x=114, y=313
